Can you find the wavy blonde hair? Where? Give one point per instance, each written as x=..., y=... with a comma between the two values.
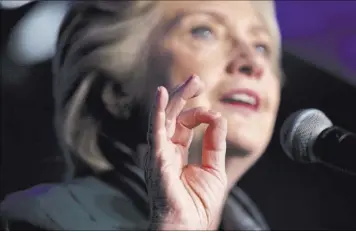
x=103, y=49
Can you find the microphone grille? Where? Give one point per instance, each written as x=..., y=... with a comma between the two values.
x=300, y=130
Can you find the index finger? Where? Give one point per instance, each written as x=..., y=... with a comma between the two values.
x=191, y=88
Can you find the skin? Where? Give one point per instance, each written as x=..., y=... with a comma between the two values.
x=213, y=40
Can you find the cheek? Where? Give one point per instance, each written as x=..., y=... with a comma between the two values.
x=273, y=105
x=187, y=60
x=271, y=86
x=274, y=96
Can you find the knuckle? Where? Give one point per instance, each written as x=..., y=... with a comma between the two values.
x=221, y=123
x=169, y=122
x=160, y=115
x=160, y=133
x=181, y=100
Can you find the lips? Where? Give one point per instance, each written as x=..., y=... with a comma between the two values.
x=242, y=98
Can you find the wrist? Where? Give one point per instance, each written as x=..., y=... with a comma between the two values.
x=170, y=222
x=165, y=226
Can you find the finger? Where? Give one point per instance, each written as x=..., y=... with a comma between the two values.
x=182, y=136
x=188, y=120
x=194, y=117
x=157, y=134
x=191, y=88
x=214, y=144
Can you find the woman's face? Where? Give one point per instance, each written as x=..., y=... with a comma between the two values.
x=227, y=45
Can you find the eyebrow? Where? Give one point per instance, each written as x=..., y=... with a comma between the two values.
x=215, y=15
x=254, y=30
x=184, y=13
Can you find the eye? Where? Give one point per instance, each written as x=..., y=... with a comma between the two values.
x=202, y=32
x=262, y=48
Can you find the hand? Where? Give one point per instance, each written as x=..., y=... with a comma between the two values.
x=184, y=196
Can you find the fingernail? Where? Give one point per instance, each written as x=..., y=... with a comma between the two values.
x=190, y=78
x=158, y=91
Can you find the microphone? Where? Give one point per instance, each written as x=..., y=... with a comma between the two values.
x=309, y=136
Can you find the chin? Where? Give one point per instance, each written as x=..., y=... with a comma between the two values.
x=243, y=144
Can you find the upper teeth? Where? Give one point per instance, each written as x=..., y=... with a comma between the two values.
x=243, y=98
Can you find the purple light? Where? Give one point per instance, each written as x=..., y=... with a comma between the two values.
x=347, y=52
x=331, y=22
x=298, y=19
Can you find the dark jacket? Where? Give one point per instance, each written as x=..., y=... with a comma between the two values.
x=97, y=203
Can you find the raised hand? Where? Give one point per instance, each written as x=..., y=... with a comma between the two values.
x=182, y=195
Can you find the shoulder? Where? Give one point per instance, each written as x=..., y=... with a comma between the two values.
x=83, y=204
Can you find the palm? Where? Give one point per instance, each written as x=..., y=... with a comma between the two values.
x=197, y=187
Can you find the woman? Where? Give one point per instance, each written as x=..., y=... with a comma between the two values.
x=208, y=67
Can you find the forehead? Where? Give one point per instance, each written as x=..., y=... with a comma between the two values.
x=230, y=10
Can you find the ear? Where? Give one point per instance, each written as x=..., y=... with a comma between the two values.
x=116, y=101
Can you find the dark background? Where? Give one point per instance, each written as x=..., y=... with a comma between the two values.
x=292, y=196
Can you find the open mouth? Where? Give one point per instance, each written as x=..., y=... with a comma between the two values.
x=242, y=98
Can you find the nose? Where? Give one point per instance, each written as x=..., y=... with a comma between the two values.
x=244, y=64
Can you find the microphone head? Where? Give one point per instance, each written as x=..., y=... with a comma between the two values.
x=300, y=130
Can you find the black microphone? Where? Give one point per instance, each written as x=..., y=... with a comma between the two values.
x=308, y=136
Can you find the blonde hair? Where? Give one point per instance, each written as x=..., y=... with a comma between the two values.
x=103, y=44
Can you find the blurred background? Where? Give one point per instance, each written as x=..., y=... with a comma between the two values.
x=320, y=64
